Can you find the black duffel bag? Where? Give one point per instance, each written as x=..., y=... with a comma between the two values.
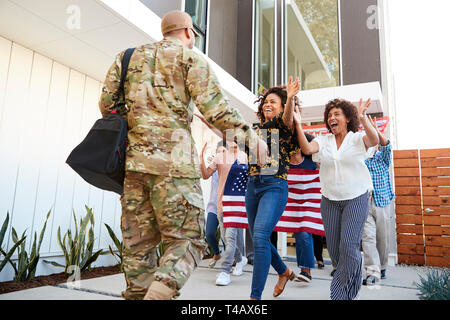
x=100, y=158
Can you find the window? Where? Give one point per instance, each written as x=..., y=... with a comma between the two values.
x=312, y=42
x=264, y=45
x=198, y=11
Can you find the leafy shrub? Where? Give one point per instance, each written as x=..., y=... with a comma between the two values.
x=435, y=286
x=25, y=269
x=78, y=252
x=7, y=255
x=119, y=246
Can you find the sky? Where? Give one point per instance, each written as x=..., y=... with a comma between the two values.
x=420, y=58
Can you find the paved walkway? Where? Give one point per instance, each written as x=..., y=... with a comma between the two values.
x=399, y=285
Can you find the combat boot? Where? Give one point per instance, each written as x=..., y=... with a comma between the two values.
x=159, y=291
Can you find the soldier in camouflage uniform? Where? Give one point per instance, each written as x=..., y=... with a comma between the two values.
x=162, y=199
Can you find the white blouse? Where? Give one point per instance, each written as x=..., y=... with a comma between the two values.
x=343, y=173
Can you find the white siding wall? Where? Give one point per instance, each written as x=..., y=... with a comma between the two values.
x=45, y=111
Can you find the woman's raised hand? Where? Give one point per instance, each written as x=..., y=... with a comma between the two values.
x=293, y=87
x=373, y=121
x=362, y=108
x=297, y=115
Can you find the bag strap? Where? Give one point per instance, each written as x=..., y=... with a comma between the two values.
x=120, y=97
x=125, y=63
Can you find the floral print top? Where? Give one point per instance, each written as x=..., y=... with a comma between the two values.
x=282, y=144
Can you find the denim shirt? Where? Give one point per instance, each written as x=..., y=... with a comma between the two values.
x=378, y=167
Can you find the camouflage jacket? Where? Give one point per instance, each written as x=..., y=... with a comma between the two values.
x=163, y=77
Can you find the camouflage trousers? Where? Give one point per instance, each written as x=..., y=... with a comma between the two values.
x=166, y=214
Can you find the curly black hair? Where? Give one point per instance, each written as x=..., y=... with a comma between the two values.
x=279, y=91
x=350, y=112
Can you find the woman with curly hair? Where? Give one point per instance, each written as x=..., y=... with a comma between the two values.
x=267, y=188
x=346, y=183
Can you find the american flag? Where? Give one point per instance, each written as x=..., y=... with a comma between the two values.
x=302, y=212
x=233, y=201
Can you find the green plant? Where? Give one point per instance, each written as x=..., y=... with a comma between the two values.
x=435, y=286
x=78, y=252
x=25, y=269
x=7, y=255
x=119, y=246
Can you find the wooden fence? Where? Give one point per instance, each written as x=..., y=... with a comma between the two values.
x=422, y=186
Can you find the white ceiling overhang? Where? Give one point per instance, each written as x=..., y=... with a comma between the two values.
x=110, y=26
x=86, y=35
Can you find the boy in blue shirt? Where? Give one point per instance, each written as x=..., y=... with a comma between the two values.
x=375, y=241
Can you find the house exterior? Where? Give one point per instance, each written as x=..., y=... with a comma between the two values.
x=54, y=56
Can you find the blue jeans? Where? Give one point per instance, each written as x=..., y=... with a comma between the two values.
x=304, y=248
x=265, y=200
x=211, y=228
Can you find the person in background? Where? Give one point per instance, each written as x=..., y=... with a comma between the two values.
x=224, y=163
x=212, y=223
x=346, y=185
x=318, y=250
x=304, y=206
x=375, y=241
x=267, y=189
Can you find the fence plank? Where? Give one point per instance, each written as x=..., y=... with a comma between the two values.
x=405, y=209
x=437, y=241
x=433, y=162
x=408, y=200
x=435, y=172
x=411, y=259
x=407, y=172
x=436, y=220
x=435, y=181
x=434, y=153
x=411, y=249
x=408, y=191
x=403, y=228
x=409, y=219
x=437, y=211
x=437, y=251
x=408, y=238
x=407, y=182
x=436, y=201
x=406, y=163
x=406, y=154
x=437, y=230
x=438, y=261
x=434, y=191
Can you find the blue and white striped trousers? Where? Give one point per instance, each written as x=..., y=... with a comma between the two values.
x=343, y=222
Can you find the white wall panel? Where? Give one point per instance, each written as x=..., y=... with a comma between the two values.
x=32, y=131
x=5, y=54
x=66, y=176
x=11, y=129
x=51, y=148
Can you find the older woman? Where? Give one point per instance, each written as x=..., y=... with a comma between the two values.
x=267, y=189
x=346, y=184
